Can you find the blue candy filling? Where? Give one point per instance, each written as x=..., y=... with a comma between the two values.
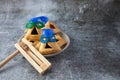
x=47, y=36
x=47, y=32
x=43, y=19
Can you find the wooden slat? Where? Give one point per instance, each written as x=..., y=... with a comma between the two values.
x=36, y=59
x=30, y=60
x=37, y=53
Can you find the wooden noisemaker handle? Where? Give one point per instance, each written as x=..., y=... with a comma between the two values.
x=8, y=58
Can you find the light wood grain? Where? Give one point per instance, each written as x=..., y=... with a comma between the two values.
x=37, y=60
x=6, y=60
x=30, y=60
x=37, y=53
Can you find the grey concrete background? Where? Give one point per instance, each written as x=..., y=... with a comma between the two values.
x=92, y=25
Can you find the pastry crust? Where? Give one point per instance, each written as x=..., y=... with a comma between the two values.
x=32, y=37
x=36, y=44
x=60, y=41
x=52, y=26
x=54, y=47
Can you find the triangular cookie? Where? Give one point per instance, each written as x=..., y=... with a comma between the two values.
x=52, y=26
x=60, y=41
x=33, y=34
x=49, y=48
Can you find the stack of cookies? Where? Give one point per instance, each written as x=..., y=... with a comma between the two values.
x=44, y=35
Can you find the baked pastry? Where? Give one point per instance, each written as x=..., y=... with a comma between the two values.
x=60, y=40
x=52, y=26
x=33, y=34
x=36, y=44
x=33, y=28
x=49, y=48
x=48, y=43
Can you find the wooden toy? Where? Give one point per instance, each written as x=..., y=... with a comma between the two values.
x=41, y=38
x=33, y=56
x=43, y=63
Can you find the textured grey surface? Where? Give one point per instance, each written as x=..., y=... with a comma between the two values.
x=94, y=30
